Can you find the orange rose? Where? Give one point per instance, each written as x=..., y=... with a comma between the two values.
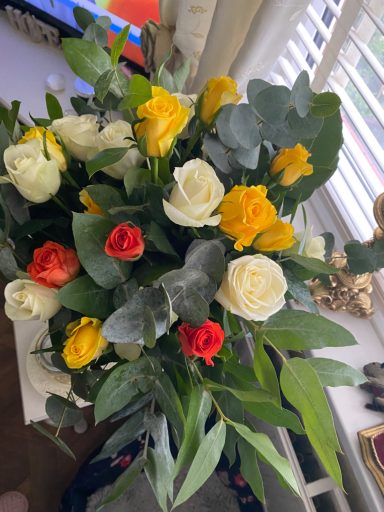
x=53, y=265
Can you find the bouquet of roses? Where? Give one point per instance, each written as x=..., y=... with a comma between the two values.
x=153, y=241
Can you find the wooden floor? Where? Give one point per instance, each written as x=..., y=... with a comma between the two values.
x=28, y=461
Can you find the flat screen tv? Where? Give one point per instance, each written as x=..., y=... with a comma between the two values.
x=121, y=12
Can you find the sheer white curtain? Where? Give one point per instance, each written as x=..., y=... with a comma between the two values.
x=240, y=38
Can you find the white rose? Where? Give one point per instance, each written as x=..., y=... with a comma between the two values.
x=35, y=177
x=197, y=193
x=79, y=134
x=186, y=100
x=115, y=135
x=27, y=300
x=253, y=287
x=314, y=247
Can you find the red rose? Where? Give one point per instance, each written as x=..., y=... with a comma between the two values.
x=203, y=341
x=53, y=265
x=125, y=243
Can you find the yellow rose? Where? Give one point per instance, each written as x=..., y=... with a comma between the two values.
x=85, y=342
x=277, y=238
x=246, y=212
x=291, y=164
x=54, y=149
x=163, y=119
x=219, y=91
x=89, y=203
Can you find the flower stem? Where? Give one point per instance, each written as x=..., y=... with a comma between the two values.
x=219, y=410
x=191, y=143
x=155, y=169
x=68, y=178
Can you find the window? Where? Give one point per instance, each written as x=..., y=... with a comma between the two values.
x=341, y=45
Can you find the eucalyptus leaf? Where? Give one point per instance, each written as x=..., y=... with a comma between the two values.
x=301, y=94
x=181, y=74
x=361, y=259
x=103, y=84
x=307, y=127
x=200, y=405
x=86, y=297
x=124, y=292
x=83, y=17
x=279, y=134
x=298, y=330
x=160, y=467
x=272, y=104
x=58, y=442
x=96, y=33
x=249, y=469
x=335, y=373
x=224, y=130
x=149, y=327
x=207, y=256
x=121, y=386
x=132, y=407
x=61, y=413
x=254, y=87
x=169, y=402
x=105, y=196
x=247, y=158
x=274, y=415
x=264, y=447
x=218, y=153
x=124, y=481
x=243, y=124
x=86, y=59
x=325, y=104
x=125, y=434
x=8, y=263
x=204, y=463
x=302, y=388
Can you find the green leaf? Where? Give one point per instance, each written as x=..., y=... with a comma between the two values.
x=119, y=44
x=86, y=59
x=243, y=124
x=302, y=388
x=299, y=291
x=132, y=407
x=8, y=263
x=207, y=256
x=135, y=177
x=160, y=467
x=204, y=463
x=314, y=264
x=121, y=386
x=86, y=297
x=124, y=481
x=254, y=395
x=105, y=196
x=139, y=92
x=226, y=134
x=96, y=33
x=301, y=94
x=264, y=369
x=325, y=104
x=361, y=259
x=279, y=134
x=335, y=373
x=58, y=442
x=264, y=447
x=218, y=153
x=149, y=328
x=249, y=469
x=307, y=127
x=104, y=159
x=90, y=233
x=232, y=408
x=200, y=405
x=53, y=107
x=169, y=402
x=81, y=106
x=299, y=330
x=62, y=411
x=181, y=74
x=157, y=235
x=126, y=324
x=254, y=87
x=83, y=17
x=272, y=103
x=125, y=434
x=103, y=84
x=273, y=415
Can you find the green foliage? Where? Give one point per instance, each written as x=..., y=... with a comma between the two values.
x=204, y=463
x=56, y=440
x=362, y=258
x=325, y=104
x=118, y=45
x=104, y=158
x=53, y=107
x=298, y=330
x=139, y=92
x=61, y=411
x=86, y=59
x=249, y=469
x=335, y=373
x=302, y=388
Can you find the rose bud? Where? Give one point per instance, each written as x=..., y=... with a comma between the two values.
x=203, y=341
x=53, y=265
x=125, y=243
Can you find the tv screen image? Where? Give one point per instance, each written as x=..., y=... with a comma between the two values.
x=121, y=12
